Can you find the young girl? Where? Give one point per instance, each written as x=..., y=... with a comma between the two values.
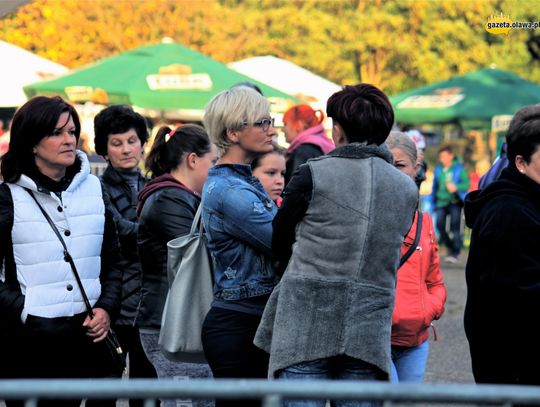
x=270, y=169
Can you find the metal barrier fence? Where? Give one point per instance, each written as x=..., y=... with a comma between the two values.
x=271, y=392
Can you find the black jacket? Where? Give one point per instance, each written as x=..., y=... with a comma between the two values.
x=123, y=206
x=166, y=212
x=503, y=279
x=299, y=156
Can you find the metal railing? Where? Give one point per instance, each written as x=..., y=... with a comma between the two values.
x=271, y=392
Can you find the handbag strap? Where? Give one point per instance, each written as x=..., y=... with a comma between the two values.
x=197, y=221
x=67, y=256
x=413, y=247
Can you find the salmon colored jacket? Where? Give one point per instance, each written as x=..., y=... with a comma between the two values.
x=420, y=290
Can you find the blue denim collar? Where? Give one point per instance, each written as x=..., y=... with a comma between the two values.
x=236, y=170
x=227, y=169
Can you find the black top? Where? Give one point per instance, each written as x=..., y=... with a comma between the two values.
x=123, y=206
x=296, y=198
x=298, y=157
x=166, y=214
x=503, y=274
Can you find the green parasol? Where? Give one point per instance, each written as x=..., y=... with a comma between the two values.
x=470, y=100
x=164, y=80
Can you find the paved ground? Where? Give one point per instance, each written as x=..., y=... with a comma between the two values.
x=449, y=360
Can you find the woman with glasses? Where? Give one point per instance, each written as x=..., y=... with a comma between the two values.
x=305, y=133
x=237, y=214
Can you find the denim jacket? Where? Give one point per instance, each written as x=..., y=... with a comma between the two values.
x=237, y=215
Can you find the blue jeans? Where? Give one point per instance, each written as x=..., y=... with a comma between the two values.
x=453, y=243
x=409, y=363
x=339, y=368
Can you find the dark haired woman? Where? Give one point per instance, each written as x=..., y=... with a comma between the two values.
x=120, y=135
x=337, y=239
x=503, y=268
x=49, y=334
x=179, y=161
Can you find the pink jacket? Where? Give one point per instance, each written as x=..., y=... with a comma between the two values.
x=420, y=290
x=313, y=135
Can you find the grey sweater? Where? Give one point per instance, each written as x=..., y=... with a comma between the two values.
x=337, y=293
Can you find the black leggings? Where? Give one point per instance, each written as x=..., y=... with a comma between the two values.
x=227, y=338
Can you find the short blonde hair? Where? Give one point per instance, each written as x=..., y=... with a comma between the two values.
x=230, y=109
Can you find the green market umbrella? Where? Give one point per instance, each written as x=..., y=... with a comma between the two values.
x=470, y=100
x=163, y=80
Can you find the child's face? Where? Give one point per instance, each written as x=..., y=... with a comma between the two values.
x=271, y=173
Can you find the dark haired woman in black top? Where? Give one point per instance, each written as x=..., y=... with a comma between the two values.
x=120, y=135
x=179, y=161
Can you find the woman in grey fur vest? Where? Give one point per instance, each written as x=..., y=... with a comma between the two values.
x=338, y=236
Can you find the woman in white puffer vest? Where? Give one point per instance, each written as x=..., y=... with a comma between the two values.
x=45, y=329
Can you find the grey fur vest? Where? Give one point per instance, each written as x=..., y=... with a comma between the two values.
x=337, y=293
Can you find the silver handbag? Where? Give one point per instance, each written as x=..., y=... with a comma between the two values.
x=190, y=272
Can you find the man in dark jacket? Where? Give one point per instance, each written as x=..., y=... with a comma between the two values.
x=503, y=269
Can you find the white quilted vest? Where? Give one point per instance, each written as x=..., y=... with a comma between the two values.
x=46, y=279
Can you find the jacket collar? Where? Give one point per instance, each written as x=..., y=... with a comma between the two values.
x=113, y=176
x=362, y=150
x=75, y=175
x=243, y=170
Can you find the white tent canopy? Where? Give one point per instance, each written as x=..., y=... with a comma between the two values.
x=289, y=78
x=19, y=68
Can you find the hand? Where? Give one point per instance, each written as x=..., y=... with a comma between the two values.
x=98, y=327
x=451, y=187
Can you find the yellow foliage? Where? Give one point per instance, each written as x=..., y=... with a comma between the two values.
x=394, y=44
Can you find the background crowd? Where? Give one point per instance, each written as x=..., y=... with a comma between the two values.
x=325, y=266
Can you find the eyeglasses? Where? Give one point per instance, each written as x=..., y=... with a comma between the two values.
x=264, y=124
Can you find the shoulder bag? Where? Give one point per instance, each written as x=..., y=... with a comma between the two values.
x=117, y=355
x=190, y=272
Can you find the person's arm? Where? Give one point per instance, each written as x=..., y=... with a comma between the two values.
x=303, y=153
x=171, y=214
x=111, y=265
x=296, y=198
x=248, y=218
x=11, y=300
x=464, y=183
x=434, y=278
x=126, y=228
x=435, y=186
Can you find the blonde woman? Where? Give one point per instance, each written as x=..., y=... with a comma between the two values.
x=237, y=214
x=420, y=290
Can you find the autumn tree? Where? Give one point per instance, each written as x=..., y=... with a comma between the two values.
x=396, y=45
